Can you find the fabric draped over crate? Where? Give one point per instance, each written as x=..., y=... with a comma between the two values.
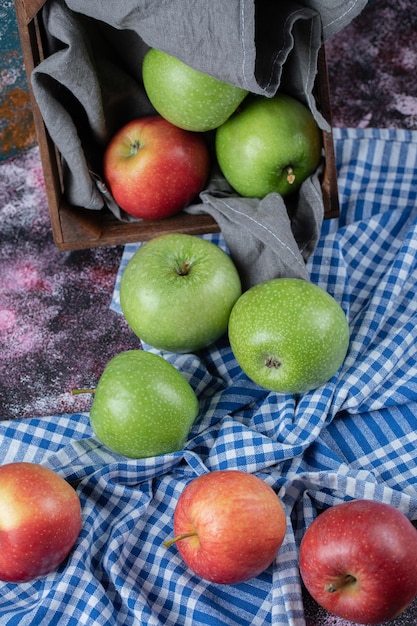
x=89, y=85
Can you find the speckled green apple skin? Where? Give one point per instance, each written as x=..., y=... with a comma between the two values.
x=143, y=406
x=288, y=335
x=186, y=97
x=264, y=137
x=177, y=291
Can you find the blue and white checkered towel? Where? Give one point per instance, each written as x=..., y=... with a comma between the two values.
x=355, y=437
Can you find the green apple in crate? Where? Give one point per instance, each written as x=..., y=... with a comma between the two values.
x=143, y=406
x=268, y=145
x=177, y=291
x=184, y=96
x=155, y=169
x=288, y=335
x=358, y=560
x=40, y=520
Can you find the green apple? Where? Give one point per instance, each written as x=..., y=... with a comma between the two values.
x=186, y=97
x=143, y=406
x=288, y=335
x=177, y=291
x=268, y=145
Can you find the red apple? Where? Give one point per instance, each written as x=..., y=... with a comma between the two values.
x=40, y=520
x=154, y=169
x=228, y=526
x=358, y=560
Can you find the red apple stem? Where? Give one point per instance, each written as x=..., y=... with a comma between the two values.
x=170, y=542
x=77, y=392
x=347, y=580
x=290, y=175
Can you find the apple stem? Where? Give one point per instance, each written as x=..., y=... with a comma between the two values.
x=347, y=580
x=170, y=542
x=77, y=392
x=183, y=269
x=290, y=175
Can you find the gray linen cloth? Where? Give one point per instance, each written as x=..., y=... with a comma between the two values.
x=89, y=85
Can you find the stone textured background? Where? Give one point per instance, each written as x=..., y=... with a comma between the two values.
x=17, y=132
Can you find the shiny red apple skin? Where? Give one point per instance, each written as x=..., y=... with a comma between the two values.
x=40, y=520
x=370, y=541
x=154, y=169
x=240, y=525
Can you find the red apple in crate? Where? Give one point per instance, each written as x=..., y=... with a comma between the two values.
x=154, y=169
x=358, y=560
x=228, y=525
x=40, y=520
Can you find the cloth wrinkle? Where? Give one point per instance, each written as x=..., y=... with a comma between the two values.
x=307, y=80
x=289, y=37
x=243, y=46
x=341, y=17
x=266, y=228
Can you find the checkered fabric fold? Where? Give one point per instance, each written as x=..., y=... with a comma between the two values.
x=354, y=437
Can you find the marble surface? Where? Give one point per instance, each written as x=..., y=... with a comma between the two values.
x=17, y=131
x=372, y=67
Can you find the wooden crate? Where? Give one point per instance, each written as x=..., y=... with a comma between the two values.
x=76, y=227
